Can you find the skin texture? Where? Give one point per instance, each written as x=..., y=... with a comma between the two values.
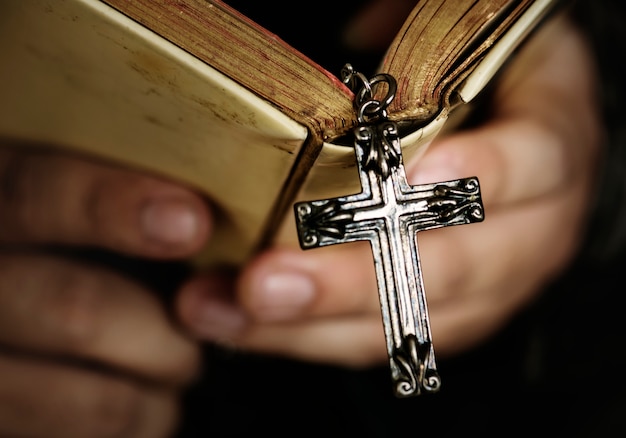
x=113, y=360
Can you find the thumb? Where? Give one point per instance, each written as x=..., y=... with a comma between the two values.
x=286, y=283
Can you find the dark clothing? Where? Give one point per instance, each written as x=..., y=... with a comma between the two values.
x=557, y=367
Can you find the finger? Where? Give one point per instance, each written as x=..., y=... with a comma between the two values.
x=210, y=314
x=61, y=308
x=464, y=266
x=477, y=276
x=543, y=131
x=526, y=152
x=475, y=279
x=282, y=284
x=55, y=198
x=353, y=341
x=47, y=400
x=470, y=293
x=207, y=308
x=286, y=283
x=515, y=160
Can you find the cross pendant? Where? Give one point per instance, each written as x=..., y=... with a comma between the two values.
x=388, y=213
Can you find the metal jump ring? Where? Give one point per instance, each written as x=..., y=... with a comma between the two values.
x=366, y=114
x=350, y=77
x=365, y=94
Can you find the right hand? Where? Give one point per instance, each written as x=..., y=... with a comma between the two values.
x=85, y=351
x=536, y=156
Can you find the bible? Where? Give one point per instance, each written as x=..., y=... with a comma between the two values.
x=195, y=91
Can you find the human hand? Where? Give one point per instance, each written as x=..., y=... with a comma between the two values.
x=535, y=156
x=85, y=351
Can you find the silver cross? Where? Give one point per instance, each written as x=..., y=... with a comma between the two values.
x=388, y=213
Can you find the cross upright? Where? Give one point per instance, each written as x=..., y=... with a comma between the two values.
x=388, y=213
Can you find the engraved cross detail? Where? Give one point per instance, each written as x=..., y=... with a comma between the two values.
x=388, y=213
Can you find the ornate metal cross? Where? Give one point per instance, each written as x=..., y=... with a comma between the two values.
x=388, y=213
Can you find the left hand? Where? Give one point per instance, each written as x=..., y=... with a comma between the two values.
x=536, y=159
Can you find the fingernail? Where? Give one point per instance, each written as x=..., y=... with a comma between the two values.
x=430, y=176
x=433, y=171
x=170, y=221
x=282, y=296
x=437, y=165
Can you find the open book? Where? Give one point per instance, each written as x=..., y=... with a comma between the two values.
x=194, y=91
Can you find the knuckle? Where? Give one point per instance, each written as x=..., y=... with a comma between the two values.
x=51, y=197
x=18, y=187
x=80, y=308
x=94, y=205
x=114, y=410
x=73, y=306
x=119, y=409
